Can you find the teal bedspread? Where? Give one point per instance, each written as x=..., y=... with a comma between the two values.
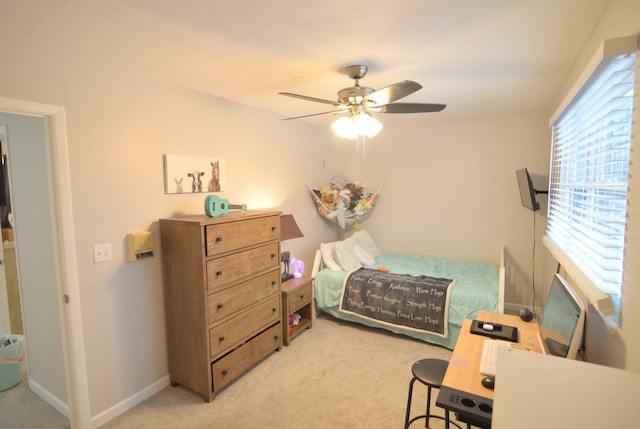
x=476, y=289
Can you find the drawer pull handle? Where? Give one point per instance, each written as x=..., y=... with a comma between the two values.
x=220, y=306
x=225, y=372
x=273, y=255
x=218, y=239
x=275, y=337
x=273, y=310
x=273, y=229
x=221, y=338
x=273, y=283
x=218, y=273
x=301, y=296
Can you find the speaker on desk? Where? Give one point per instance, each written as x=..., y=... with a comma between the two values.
x=526, y=315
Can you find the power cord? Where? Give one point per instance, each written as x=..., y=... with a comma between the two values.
x=533, y=263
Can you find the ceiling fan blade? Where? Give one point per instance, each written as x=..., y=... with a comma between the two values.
x=393, y=92
x=314, y=99
x=410, y=108
x=332, y=112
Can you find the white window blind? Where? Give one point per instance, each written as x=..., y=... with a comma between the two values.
x=589, y=173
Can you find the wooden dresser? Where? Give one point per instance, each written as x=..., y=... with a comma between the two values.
x=222, y=296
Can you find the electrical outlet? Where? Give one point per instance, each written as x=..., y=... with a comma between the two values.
x=102, y=253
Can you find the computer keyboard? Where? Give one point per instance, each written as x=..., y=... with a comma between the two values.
x=489, y=358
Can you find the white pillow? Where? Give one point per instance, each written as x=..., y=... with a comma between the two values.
x=363, y=255
x=363, y=238
x=345, y=256
x=326, y=249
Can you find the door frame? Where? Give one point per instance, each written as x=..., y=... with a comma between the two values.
x=68, y=284
x=5, y=318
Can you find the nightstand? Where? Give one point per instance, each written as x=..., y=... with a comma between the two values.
x=297, y=297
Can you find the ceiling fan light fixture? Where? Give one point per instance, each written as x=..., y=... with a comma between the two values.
x=353, y=126
x=367, y=125
x=345, y=128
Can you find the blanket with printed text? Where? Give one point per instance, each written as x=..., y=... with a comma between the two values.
x=414, y=302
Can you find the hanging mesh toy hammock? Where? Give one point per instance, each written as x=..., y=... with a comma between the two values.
x=346, y=204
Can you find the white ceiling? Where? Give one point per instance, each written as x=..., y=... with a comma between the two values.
x=477, y=56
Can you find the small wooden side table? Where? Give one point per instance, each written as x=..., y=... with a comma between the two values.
x=297, y=297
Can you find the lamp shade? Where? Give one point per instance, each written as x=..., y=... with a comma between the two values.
x=289, y=228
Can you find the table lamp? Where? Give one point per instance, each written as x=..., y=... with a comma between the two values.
x=288, y=230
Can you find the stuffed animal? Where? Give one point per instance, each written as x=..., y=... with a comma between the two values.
x=357, y=191
x=329, y=200
x=345, y=198
x=338, y=182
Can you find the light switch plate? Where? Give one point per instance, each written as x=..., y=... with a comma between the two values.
x=102, y=253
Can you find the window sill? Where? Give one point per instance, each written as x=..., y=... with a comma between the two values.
x=603, y=303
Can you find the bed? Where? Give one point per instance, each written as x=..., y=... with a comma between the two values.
x=472, y=286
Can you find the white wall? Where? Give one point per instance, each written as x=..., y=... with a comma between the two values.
x=119, y=127
x=451, y=191
x=117, y=139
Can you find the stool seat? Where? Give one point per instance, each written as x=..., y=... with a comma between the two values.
x=429, y=372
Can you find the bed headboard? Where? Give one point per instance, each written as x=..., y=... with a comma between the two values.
x=317, y=264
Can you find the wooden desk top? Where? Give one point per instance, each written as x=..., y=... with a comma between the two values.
x=463, y=372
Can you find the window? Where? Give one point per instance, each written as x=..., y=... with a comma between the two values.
x=588, y=181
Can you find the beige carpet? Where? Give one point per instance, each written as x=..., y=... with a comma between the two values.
x=20, y=408
x=335, y=375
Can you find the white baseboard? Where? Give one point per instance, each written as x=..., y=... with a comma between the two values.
x=130, y=402
x=61, y=406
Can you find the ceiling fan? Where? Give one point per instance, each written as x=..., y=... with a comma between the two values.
x=357, y=99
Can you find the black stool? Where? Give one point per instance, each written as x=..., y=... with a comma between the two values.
x=429, y=372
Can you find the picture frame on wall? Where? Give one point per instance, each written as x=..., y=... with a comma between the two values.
x=193, y=174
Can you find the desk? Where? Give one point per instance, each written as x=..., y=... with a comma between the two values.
x=463, y=372
x=556, y=397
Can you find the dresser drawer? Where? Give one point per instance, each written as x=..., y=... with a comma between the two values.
x=226, y=237
x=299, y=297
x=226, y=369
x=221, y=272
x=227, y=335
x=226, y=302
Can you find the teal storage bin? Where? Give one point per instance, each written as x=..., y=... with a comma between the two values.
x=11, y=357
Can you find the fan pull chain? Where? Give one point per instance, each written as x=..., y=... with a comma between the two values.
x=364, y=146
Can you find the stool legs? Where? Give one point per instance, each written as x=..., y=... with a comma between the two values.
x=407, y=421
x=429, y=372
x=426, y=423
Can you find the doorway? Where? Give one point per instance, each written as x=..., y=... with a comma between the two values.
x=57, y=218
x=10, y=307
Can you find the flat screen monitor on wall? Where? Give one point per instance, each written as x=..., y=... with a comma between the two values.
x=527, y=191
x=562, y=321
